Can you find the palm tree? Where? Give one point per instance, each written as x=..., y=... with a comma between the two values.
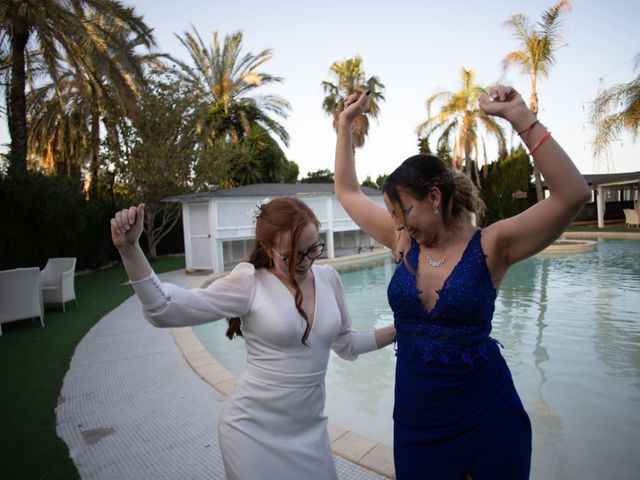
x=64, y=116
x=58, y=135
x=538, y=44
x=461, y=117
x=224, y=81
x=349, y=76
x=58, y=28
x=626, y=99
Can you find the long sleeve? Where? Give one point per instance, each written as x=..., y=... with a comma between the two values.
x=167, y=305
x=349, y=343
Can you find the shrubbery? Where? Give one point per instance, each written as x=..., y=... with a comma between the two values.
x=46, y=216
x=504, y=177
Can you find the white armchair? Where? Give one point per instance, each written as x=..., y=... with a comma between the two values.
x=632, y=218
x=20, y=295
x=57, y=281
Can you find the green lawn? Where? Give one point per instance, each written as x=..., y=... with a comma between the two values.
x=33, y=363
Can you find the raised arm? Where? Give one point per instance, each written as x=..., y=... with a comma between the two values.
x=126, y=228
x=167, y=305
x=370, y=216
x=525, y=234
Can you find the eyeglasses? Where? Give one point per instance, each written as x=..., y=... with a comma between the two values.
x=312, y=253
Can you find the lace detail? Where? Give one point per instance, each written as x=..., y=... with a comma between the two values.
x=457, y=328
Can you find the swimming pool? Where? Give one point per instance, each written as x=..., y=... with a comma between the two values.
x=570, y=326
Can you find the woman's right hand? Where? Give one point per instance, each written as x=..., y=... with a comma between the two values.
x=127, y=226
x=355, y=105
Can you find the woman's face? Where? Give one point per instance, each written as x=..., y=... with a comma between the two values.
x=420, y=219
x=309, y=248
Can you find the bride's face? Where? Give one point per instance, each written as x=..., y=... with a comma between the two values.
x=308, y=249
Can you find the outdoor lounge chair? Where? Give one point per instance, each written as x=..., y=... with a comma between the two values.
x=58, y=281
x=20, y=295
x=631, y=217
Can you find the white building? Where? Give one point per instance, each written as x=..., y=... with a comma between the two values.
x=219, y=230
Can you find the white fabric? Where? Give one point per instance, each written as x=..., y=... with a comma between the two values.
x=57, y=280
x=20, y=295
x=150, y=291
x=273, y=425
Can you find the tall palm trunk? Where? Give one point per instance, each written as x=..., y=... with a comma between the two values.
x=94, y=151
x=536, y=173
x=18, y=102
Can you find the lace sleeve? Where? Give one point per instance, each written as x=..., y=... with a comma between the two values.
x=230, y=296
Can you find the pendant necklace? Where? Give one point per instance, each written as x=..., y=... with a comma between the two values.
x=435, y=263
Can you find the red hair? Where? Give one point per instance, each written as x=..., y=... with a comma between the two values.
x=278, y=217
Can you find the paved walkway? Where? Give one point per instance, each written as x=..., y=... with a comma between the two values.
x=132, y=408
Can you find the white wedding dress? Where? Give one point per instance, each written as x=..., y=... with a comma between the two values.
x=273, y=426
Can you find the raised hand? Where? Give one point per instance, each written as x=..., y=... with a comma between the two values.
x=127, y=226
x=355, y=105
x=505, y=102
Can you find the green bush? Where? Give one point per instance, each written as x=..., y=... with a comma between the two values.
x=47, y=216
x=504, y=177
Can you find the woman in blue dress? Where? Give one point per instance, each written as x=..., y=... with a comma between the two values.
x=456, y=411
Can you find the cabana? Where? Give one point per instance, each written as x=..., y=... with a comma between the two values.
x=611, y=194
x=219, y=230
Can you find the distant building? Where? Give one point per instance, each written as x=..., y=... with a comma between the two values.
x=610, y=194
x=219, y=230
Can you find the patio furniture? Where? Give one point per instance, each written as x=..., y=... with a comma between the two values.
x=57, y=281
x=20, y=295
x=632, y=217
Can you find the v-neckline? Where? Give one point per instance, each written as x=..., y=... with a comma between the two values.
x=446, y=280
x=293, y=298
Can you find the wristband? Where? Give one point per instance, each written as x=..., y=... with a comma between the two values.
x=540, y=142
x=529, y=128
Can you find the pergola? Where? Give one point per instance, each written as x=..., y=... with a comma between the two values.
x=222, y=215
x=628, y=182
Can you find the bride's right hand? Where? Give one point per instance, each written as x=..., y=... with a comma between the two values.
x=127, y=226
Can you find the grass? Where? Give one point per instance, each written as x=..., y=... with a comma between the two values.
x=33, y=363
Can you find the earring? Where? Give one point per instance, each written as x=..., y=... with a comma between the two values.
x=435, y=210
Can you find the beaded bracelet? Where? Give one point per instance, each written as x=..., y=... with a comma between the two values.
x=529, y=128
x=540, y=142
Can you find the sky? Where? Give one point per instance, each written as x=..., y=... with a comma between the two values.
x=415, y=48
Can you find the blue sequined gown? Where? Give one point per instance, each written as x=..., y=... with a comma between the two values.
x=456, y=409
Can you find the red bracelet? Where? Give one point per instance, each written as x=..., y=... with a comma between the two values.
x=530, y=127
x=540, y=142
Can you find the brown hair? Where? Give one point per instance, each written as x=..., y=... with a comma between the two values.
x=280, y=215
x=419, y=174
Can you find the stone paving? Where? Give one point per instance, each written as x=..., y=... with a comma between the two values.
x=132, y=408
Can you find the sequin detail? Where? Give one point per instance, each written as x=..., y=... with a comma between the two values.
x=457, y=329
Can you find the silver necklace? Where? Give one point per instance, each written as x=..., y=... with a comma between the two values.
x=435, y=263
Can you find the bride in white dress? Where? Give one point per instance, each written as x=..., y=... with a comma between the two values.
x=291, y=313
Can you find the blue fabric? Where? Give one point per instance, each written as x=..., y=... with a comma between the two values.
x=454, y=392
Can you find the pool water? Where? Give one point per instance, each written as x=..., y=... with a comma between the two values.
x=570, y=327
